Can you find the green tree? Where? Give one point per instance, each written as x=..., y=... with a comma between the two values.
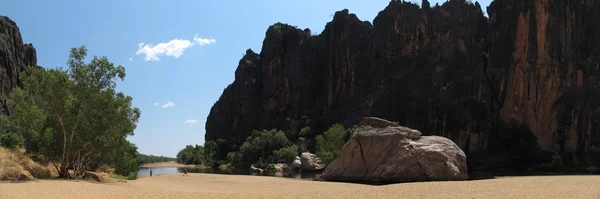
x=304, y=131
x=126, y=163
x=210, y=153
x=144, y=159
x=330, y=143
x=191, y=155
x=74, y=116
x=9, y=138
x=266, y=146
x=285, y=154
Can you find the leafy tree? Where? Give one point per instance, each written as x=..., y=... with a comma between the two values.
x=191, y=155
x=11, y=140
x=144, y=159
x=126, y=163
x=285, y=154
x=210, y=153
x=304, y=131
x=74, y=116
x=331, y=142
x=263, y=147
x=8, y=136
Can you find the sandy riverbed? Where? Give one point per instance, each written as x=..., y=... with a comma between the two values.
x=229, y=186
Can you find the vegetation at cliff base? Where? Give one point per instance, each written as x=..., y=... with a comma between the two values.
x=331, y=142
x=263, y=148
x=74, y=117
x=191, y=155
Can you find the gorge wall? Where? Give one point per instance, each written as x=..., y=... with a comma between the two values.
x=524, y=79
x=14, y=58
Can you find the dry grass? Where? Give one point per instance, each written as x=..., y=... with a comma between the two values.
x=15, y=165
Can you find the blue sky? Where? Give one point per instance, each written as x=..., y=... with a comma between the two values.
x=189, y=54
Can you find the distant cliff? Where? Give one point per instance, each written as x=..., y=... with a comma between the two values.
x=14, y=58
x=526, y=78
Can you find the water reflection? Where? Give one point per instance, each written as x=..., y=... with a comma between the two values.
x=143, y=172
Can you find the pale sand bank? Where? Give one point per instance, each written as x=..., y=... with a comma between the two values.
x=229, y=186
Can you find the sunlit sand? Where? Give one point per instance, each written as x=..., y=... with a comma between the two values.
x=230, y=186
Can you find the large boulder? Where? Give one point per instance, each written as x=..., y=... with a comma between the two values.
x=310, y=162
x=381, y=151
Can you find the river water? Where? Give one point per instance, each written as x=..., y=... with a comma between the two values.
x=143, y=172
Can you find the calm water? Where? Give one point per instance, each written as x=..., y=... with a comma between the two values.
x=170, y=170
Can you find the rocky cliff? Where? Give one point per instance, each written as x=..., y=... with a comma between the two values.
x=14, y=58
x=522, y=83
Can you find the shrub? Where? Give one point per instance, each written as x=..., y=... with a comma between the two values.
x=304, y=131
x=261, y=148
x=132, y=176
x=330, y=143
x=286, y=154
x=210, y=153
x=11, y=141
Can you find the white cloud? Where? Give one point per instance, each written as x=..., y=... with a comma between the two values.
x=131, y=59
x=168, y=104
x=204, y=41
x=190, y=122
x=173, y=48
x=155, y=104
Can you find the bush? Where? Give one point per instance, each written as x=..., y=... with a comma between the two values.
x=270, y=168
x=11, y=141
x=132, y=176
x=286, y=154
x=191, y=155
x=304, y=131
x=330, y=143
x=263, y=147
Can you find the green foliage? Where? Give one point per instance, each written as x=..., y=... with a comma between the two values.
x=210, y=153
x=126, y=163
x=285, y=154
x=330, y=143
x=130, y=176
x=11, y=141
x=249, y=62
x=235, y=157
x=263, y=147
x=144, y=159
x=74, y=117
x=270, y=168
x=191, y=155
x=304, y=131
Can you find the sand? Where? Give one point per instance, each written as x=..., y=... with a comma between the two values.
x=229, y=186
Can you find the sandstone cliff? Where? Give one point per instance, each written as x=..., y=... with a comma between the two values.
x=523, y=82
x=14, y=58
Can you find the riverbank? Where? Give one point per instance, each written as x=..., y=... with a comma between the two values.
x=230, y=186
x=169, y=164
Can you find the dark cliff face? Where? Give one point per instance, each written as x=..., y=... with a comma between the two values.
x=14, y=58
x=525, y=77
